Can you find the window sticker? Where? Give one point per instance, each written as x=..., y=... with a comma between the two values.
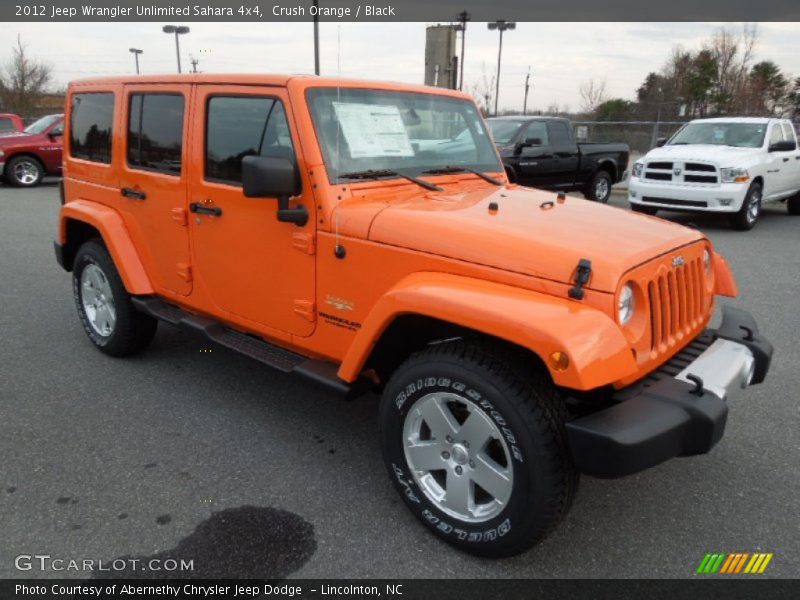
x=373, y=130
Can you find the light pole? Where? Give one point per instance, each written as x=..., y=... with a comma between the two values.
x=500, y=26
x=177, y=30
x=463, y=17
x=136, y=52
x=316, y=38
x=527, y=86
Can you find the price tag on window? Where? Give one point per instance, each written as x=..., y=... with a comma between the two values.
x=373, y=130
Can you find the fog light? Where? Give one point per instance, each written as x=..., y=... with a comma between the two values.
x=559, y=360
x=633, y=194
x=725, y=201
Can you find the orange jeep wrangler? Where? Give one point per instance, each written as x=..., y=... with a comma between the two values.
x=364, y=235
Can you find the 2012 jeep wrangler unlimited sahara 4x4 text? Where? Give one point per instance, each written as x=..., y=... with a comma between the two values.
x=518, y=338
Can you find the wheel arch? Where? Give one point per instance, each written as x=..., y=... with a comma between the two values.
x=82, y=220
x=25, y=153
x=609, y=165
x=455, y=306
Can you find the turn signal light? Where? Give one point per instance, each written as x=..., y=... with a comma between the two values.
x=559, y=360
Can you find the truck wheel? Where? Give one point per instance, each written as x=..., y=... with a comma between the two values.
x=599, y=188
x=474, y=442
x=104, y=306
x=747, y=216
x=24, y=171
x=793, y=205
x=645, y=210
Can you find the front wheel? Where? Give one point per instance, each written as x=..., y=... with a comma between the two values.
x=747, y=216
x=476, y=447
x=107, y=314
x=599, y=188
x=24, y=171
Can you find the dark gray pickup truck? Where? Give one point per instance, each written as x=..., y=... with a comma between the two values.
x=542, y=152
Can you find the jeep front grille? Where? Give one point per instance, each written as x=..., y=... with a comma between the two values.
x=676, y=304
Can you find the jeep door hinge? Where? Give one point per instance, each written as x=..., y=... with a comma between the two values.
x=582, y=275
x=180, y=217
x=185, y=272
x=304, y=242
x=306, y=309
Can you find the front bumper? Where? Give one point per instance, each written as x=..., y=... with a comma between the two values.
x=680, y=409
x=725, y=197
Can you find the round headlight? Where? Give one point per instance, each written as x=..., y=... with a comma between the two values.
x=707, y=260
x=625, y=305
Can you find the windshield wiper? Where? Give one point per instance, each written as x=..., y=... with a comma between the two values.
x=380, y=173
x=448, y=169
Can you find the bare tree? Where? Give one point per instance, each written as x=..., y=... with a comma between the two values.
x=593, y=94
x=483, y=90
x=23, y=80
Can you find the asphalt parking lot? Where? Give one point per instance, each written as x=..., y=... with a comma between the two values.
x=192, y=451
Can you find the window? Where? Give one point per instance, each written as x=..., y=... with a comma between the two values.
x=776, y=135
x=536, y=130
x=6, y=124
x=155, y=132
x=239, y=126
x=559, y=134
x=91, y=126
x=788, y=132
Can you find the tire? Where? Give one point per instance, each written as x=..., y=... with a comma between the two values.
x=109, y=318
x=24, y=171
x=793, y=205
x=507, y=399
x=746, y=218
x=645, y=210
x=599, y=187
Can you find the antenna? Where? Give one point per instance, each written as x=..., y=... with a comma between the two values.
x=338, y=131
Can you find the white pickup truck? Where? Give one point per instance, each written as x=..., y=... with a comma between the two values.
x=724, y=165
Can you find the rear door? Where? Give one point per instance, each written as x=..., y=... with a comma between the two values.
x=153, y=181
x=792, y=159
x=251, y=265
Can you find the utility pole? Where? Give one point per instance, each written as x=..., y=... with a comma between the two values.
x=500, y=26
x=316, y=37
x=527, y=85
x=463, y=17
x=136, y=52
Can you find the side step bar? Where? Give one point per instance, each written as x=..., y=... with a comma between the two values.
x=320, y=372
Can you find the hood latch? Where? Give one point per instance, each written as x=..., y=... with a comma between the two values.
x=582, y=275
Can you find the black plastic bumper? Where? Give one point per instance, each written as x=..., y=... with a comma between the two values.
x=665, y=417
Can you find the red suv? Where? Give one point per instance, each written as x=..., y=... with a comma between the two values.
x=27, y=156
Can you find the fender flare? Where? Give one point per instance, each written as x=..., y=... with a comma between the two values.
x=597, y=349
x=116, y=238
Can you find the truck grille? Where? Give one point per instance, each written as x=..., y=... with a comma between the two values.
x=676, y=304
x=680, y=172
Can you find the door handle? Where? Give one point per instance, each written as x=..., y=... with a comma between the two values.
x=131, y=193
x=197, y=207
x=785, y=160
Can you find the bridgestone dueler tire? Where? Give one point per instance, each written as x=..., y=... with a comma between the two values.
x=740, y=221
x=133, y=330
x=521, y=399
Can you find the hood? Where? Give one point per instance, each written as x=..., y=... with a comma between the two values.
x=731, y=156
x=13, y=134
x=529, y=233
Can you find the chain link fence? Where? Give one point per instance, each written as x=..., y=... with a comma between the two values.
x=641, y=136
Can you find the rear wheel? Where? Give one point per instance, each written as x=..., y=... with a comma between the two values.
x=476, y=447
x=24, y=171
x=599, y=188
x=104, y=306
x=793, y=205
x=747, y=216
x=645, y=210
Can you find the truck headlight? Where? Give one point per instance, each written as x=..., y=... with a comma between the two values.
x=734, y=175
x=638, y=167
x=707, y=261
x=2, y=154
x=625, y=305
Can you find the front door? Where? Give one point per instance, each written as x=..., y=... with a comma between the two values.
x=536, y=158
x=153, y=181
x=250, y=264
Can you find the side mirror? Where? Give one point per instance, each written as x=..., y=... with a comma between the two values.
x=527, y=143
x=785, y=146
x=55, y=134
x=274, y=176
x=660, y=142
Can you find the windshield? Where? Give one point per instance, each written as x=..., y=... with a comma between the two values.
x=503, y=131
x=42, y=124
x=363, y=129
x=741, y=135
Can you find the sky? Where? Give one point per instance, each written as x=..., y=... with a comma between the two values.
x=560, y=55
